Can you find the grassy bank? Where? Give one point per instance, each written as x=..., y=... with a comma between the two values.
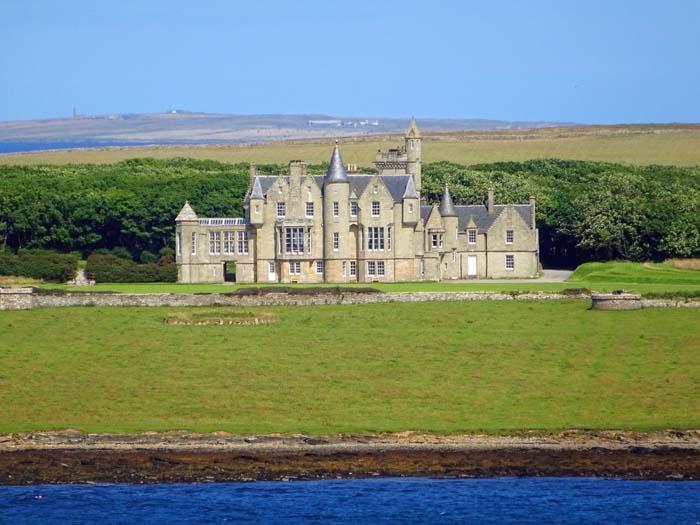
x=442, y=367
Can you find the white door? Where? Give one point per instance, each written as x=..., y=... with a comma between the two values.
x=471, y=266
x=272, y=274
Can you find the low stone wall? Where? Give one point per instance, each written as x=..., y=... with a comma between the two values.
x=26, y=298
x=616, y=301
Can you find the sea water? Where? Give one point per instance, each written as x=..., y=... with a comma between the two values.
x=392, y=500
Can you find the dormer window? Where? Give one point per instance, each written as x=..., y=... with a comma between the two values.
x=353, y=209
x=471, y=236
x=509, y=236
x=375, y=208
x=281, y=210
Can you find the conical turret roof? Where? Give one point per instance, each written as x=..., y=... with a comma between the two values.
x=447, y=208
x=257, y=192
x=413, y=131
x=410, y=191
x=186, y=213
x=336, y=170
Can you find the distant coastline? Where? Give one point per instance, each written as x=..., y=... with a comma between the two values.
x=8, y=148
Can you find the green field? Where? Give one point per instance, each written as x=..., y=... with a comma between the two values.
x=645, y=278
x=677, y=145
x=438, y=367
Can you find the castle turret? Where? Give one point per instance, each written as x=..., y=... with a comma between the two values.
x=256, y=201
x=411, y=203
x=413, y=153
x=336, y=217
x=449, y=219
x=185, y=236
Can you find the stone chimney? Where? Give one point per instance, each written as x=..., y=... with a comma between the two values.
x=533, y=223
x=490, y=201
x=253, y=173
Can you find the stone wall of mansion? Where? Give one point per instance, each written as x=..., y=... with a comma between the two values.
x=351, y=227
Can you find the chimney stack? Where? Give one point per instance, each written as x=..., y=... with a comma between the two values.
x=533, y=223
x=253, y=172
x=489, y=203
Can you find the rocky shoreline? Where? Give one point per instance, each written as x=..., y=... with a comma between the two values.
x=74, y=457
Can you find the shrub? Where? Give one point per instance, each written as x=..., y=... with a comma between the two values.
x=107, y=268
x=43, y=264
x=148, y=257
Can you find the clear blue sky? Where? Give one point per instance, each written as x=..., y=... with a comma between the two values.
x=592, y=61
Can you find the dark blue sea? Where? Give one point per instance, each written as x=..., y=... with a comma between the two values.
x=397, y=500
x=19, y=147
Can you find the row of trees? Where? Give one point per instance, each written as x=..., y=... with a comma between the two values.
x=586, y=210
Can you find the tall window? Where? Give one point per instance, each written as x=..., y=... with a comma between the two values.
x=194, y=243
x=371, y=268
x=510, y=262
x=375, y=238
x=375, y=208
x=353, y=209
x=319, y=267
x=380, y=268
x=309, y=209
x=353, y=268
x=243, y=243
x=336, y=209
x=454, y=255
x=214, y=243
x=281, y=209
x=294, y=240
x=345, y=268
x=229, y=242
x=471, y=236
x=178, y=241
x=336, y=241
x=271, y=267
x=388, y=238
x=294, y=268
x=509, y=236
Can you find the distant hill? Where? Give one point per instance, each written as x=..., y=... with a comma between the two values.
x=178, y=126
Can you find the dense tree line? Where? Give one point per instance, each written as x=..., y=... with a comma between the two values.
x=586, y=210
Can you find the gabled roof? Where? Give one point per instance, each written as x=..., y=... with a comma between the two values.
x=257, y=192
x=186, y=213
x=336, y=170
x=479, y=214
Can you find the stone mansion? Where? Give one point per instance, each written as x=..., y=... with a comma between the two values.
x=347, y=227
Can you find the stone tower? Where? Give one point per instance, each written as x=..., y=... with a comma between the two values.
x=413, y=153
x=336, y=217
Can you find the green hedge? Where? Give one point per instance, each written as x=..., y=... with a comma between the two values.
x=46, y=265
x=107, y=268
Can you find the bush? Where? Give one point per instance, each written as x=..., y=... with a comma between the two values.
x=46, y=265
x=148, y=257
x=107, y=268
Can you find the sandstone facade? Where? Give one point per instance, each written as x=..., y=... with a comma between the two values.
x=348, y=227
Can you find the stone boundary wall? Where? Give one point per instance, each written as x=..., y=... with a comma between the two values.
x=25, y=298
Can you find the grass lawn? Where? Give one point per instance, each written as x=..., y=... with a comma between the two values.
x=604, y=277
x=441, y=367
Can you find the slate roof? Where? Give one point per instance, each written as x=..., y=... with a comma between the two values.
x=186, y=213
x=336, y=169
x=396, y=184
x=447, y=207
x=481, y=216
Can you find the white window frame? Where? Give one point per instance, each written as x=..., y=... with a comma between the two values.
x=376, y=208
x=294, y=268
x=309, y=209
x=294, y=240
x=437, y=240
x=388, y=238
x=336, y=209
x=214, y=243
x=319, y=267
x=229, y=242
x=271, y=267
x=375, y=238
x=281, y=210
x=353, y=268
x=371, y=268
x=510, y=262
x=178, y=241
x=345, y=268
x=381, y=269
x=471, y=236
x=510, y=235
x=336, y=241
x=193, y=250
x=353, y=209
x=242, y=243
